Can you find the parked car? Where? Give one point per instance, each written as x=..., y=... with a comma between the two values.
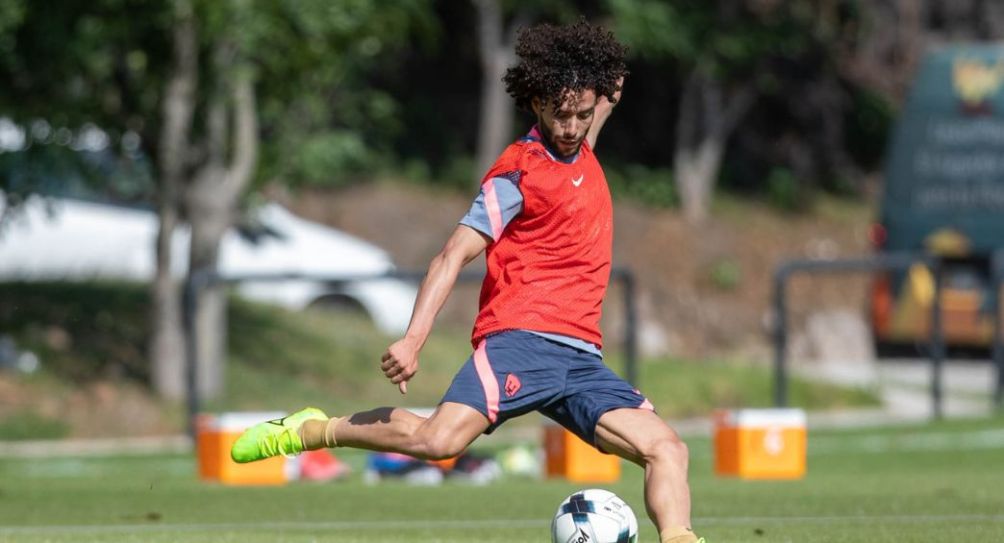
x=69, y=239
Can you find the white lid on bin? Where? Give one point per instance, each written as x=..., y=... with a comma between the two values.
x=755, y=418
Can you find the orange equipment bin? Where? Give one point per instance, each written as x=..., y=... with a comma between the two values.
x=570, y=457
x=215, y=434
x=760, y=443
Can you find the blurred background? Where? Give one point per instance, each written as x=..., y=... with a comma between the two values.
x=143, y=140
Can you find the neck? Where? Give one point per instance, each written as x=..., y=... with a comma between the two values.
x=545, y=138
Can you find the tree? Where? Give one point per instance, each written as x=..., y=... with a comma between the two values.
x=206, y=172
x=894, y=35
x=202, y=86
x=70, y=73
x=495, y=47
x=723, y=49
x=498, y=22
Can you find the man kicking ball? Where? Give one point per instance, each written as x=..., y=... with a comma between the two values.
x=545, y=221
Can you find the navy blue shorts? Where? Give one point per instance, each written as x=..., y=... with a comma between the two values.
x=515, y=372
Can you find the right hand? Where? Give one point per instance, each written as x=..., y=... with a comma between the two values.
x=400, y=363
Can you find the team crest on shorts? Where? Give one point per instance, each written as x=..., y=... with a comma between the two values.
x=512, y=385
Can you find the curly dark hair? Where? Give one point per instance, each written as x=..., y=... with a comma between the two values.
x=556, y=59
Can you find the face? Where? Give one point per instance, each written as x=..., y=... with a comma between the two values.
x=565, y=127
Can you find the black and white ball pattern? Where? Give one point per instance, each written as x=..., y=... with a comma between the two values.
x=594, y=516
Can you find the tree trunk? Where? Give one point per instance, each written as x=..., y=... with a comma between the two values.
x=211, y=202
x=167, y=343
x=209, y=195
x=209, y=219
x=696, y=171
x=495, y=118
x=703, y=126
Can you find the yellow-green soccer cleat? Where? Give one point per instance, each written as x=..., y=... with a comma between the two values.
x=273, y=437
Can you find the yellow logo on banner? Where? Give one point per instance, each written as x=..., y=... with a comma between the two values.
x=975, y=81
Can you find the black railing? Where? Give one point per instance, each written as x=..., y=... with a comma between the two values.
x=202, y=279
x=880, y=262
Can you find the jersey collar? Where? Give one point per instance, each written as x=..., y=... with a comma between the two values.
x=535, y=135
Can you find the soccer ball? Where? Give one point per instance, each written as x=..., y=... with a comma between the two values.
x=594, y=516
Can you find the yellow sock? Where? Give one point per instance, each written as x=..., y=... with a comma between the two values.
x=318, y=434
x=677, y=534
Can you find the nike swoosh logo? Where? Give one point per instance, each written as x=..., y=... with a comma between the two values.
x=578, y=181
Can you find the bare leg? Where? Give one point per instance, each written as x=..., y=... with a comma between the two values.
x=642, y=437
x=444, y=434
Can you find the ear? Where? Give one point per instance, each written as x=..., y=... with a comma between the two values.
x=535, y=105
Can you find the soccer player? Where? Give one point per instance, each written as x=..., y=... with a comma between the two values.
x=544, y=219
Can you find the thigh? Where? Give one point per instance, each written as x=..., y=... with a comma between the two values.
x=592, y=390
x=455, y=424
x=628, y=432
x=509, y=374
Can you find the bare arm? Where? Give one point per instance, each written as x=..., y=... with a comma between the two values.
x=603, y=110
x=400, y=361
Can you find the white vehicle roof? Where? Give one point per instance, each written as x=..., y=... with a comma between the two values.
x=55, y=238
x=74, y=240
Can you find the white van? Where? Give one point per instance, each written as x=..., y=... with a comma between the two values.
x=944, y=195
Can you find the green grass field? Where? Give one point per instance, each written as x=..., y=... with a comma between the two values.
x=936, y=482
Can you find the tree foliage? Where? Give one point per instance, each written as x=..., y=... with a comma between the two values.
x=69, y=70
x=790, y=56
x=323, y=120
x=103, y=63
x=200, y=87
x=352, y=86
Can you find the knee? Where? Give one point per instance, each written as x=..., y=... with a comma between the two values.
x=667, y=449
x=438, y=446
x=442, y=451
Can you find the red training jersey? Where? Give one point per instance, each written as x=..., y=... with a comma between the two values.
x=548, y=270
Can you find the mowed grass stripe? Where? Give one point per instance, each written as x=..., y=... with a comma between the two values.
x=468, y=524
x=283, y=526
x=911, y=442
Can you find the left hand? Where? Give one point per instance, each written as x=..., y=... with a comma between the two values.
x=604, y=106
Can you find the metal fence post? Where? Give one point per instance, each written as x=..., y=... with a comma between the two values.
x=997, y=277
x=631, y=331
x=194, y=283
x=780, y=337
x=937, y=343
x=188, y=304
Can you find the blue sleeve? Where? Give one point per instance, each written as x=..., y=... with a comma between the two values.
x=496, y=206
